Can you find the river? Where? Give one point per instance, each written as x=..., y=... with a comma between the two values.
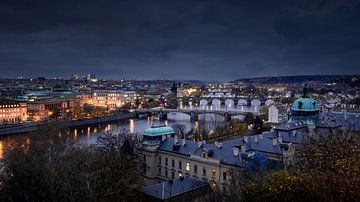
x=89, y=134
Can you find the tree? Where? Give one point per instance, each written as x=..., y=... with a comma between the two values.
x=249, y=118
x=258, y=125
x=51, y=168
x=325, y=170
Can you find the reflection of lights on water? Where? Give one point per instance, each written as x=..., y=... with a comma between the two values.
x=132, y=126
x=88, y=131
x=1, y=150
x=95, y=130
x=82, y=131
x=166, y=122
x=75, y=133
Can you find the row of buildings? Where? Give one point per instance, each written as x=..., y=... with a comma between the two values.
x=40, y=105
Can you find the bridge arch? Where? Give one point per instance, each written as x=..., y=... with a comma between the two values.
x=203, y=102
x=255, y=102
x=242, y=102
x=229, y=103
x=269, y=102
x=216, y=102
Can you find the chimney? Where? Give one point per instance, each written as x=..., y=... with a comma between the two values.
x=183, y=142
x=243, y=149
x=216, y=144
x=204, y=142
x=219, y=145
x=236, y=151
x=279, y=139
x=274, y=141
x=256, y=139
x=246, y=139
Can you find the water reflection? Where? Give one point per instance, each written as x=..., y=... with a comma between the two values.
x=89, y=134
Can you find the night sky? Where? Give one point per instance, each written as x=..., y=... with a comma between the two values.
x=178, y=39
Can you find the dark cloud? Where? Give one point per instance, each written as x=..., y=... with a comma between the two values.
x=211, y=40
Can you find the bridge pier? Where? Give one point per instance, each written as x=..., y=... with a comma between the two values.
x=227, y=117
x=194, y=116
x=162, y=116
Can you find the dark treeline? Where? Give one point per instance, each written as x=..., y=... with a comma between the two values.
x=52, y=168
x=325, y=170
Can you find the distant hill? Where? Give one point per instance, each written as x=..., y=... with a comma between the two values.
x=349, y=79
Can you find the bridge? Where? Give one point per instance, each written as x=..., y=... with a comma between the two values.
x=228, y=101
x=194, y=113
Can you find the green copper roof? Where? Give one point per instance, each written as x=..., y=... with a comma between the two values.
x=159, y=131
x=305, y=104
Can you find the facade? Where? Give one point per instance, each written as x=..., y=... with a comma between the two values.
x=114, y=98
x=84, y=98
x=12, y=112
x=277, y=114
x=167, y=157
x=41, y=109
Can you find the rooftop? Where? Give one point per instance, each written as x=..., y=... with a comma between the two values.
x=159, y=131
x=175, y=188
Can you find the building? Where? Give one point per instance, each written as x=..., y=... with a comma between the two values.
x=277, y=114
x=167, y=157
x=43, y=108
x=84, y=98
x=12, y=112
x=114, y=98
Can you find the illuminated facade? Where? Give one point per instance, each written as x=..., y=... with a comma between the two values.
x=41, y=109
x=13, y=112
x=114, y=98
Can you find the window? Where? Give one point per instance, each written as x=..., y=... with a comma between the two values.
x=195, y=169
x=173, y=163
x=204, y=171
x=173, y=174
x=166, y=161
x=179, y=164
x=159, y=171
x=224, y=175
x=188, y=166
x=213, y=173
x=166, y=173
x=159, y=159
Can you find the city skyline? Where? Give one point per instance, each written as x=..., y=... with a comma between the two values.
x=204, y=40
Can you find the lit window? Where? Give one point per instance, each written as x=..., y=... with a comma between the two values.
x=187, y=166
x=213, y=172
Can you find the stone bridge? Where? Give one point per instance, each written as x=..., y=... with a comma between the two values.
x=228, y=101
x=193, y=113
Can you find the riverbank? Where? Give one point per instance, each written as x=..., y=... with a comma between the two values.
x=30, y=127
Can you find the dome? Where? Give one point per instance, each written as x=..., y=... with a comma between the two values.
x=159, y=131
x=154, y=135
x=305, y=104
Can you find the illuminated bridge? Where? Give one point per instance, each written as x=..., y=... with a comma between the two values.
x=193, y=113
